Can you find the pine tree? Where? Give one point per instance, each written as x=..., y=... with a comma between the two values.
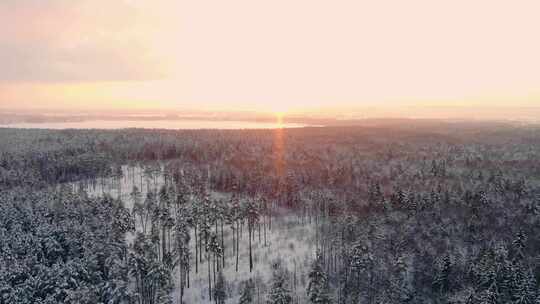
x=148, y=210
x=361, y=262
x=442, y=276
x=220, y=293
x=518, y=246
x=399, y=289
x=252, y=215
x=153, y=278
x=182, y=238
x=524, y=290
x=247, y=292
x=317, y=290
x=136, y=198
x=279, y=291
x=236, y=217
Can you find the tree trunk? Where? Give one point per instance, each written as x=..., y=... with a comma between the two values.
x=233, y=230
x=250, y=251
x=163, y=243
x=270, y=218
x=200, y=246
x=237, y=243
x=214, y=266
x=209, y=278
x=222, y=244
x=264, y=227
x=196, y=252
x=181, y=286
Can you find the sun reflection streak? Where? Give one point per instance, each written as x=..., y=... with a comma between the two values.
x=279, y=146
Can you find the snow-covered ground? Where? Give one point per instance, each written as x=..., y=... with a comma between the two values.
x=288, y=239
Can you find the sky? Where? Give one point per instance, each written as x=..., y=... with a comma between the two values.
x=277, y=56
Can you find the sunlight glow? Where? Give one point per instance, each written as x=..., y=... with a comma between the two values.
x=279, y=118
x=233, y=55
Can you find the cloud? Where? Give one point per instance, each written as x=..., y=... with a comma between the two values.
x=59, y=40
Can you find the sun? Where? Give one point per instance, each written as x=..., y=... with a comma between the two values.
x=279, y=112
x=279, y=119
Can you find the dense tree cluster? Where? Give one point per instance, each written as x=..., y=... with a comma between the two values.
x=62, y=247
x=426, y=213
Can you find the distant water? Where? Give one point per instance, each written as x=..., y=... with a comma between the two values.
x=153, y=124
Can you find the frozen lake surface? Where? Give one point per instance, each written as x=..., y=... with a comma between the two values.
x=154, y=124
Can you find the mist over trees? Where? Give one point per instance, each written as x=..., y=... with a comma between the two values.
x=423, y=212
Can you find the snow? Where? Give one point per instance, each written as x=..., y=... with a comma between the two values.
x=289, y=240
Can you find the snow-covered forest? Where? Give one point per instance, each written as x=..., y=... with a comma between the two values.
x=412, y=211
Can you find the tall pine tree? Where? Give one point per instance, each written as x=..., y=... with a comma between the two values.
x=317, y=290
x=279, y=291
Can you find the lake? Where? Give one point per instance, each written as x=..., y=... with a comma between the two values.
x=153, y=124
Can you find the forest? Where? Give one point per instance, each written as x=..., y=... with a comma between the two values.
x=393, y=211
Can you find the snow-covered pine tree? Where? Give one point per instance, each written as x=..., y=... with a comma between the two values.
x=279, y=291
x=252, y=214
x=136, y=198
x=247, y=292
x=317, y=290
x=524, y=288
x=182, y=239
x=220, y=292
x=441, y=281
x=400, y=291
x=518, y=246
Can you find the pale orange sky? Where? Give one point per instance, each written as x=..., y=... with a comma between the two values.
x=267, y=55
